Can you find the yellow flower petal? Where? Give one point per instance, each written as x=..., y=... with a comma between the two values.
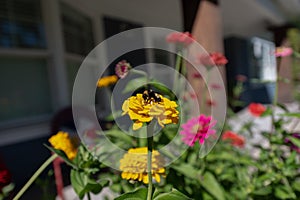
x=125, y=107
x=145, y=179
x=141, y=110
x=134, y=165
x=157, y=177
x=137, y=125
x=62, y=141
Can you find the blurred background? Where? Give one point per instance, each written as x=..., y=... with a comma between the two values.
x=43, y=42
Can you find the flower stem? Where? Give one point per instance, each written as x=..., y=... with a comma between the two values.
x=34, y=176
x=89, y=196
x=150, y=130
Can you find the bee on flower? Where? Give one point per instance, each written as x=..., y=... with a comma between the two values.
x=142, y=108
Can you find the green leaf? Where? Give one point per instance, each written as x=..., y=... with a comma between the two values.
x=283, y=107
x=294, y=140
x=114, y=115
x=82, y=184
x=78, y=181
x=282, y=192
x=291, y=114
x=62, y=155
x=173, y=195
x=207, y=196
x=296, y=185
x=134, y=84
x=292, y=158
x=187, y=170
x=139, y=194
x=267, y=112
x=210, y=183
x=116, y=133
x=263, y=191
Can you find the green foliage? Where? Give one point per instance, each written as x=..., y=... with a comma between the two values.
x=138, y=194
x=133, y=84
x=62, y=155
x=83, y=183
x=227, y=172
x=172, y=195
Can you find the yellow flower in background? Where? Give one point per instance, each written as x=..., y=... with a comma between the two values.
x=62, y=141
x=134, y=165
x=107, y=81
x=141, y=108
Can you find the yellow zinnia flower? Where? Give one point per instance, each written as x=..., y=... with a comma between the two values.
x=142, y=110
x=134, y=165
x=62, y=141
x=107, y=80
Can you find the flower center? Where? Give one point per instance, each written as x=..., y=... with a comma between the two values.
x=197, y=128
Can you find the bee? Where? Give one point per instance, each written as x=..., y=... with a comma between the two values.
x=151, y=97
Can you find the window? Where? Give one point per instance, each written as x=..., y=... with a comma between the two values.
x=21, y=24
x=77, y=30
x=263, y=59
x=25, y=90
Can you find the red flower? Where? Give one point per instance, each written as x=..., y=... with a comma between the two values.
x=5, y=178
x=256, y=109
x=182, y=38
x=218, y=58
x=213, y=59
x=235, y=139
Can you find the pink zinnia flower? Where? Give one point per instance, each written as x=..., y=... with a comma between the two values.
x=212, y=59
x=182, y=38
x=197, y=129
x=256, y=109
x=122, y=69
x=283, y=51
x=234, y=139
